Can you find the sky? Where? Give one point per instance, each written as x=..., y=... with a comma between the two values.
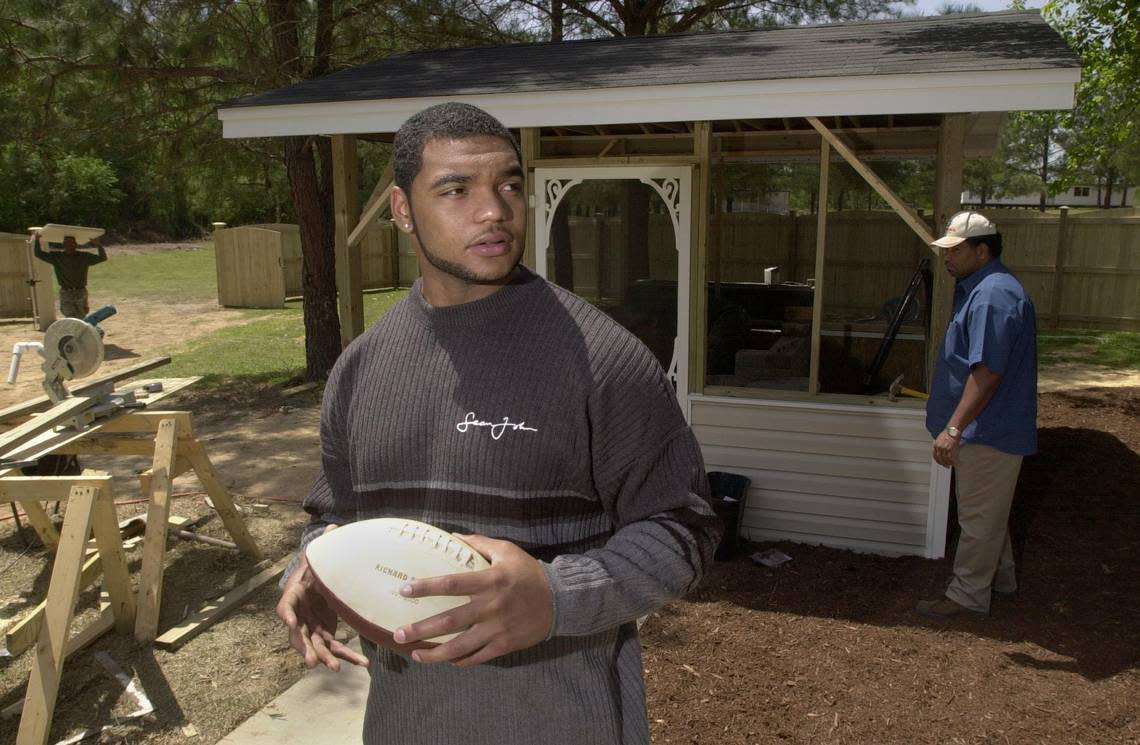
x=930, y=7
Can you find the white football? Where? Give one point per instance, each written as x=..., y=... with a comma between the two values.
x=360, y=568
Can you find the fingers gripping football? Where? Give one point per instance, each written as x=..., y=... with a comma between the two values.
x=312, y=623
x=511, y=607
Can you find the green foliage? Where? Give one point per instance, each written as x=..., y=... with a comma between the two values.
x=21, y=172
x=989, y=178
x=584, y=19
x=1032, y=146
x=1105, y=139
x=84, y=190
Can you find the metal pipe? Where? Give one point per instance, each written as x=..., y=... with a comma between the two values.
x=188, y=535
x=17, y=351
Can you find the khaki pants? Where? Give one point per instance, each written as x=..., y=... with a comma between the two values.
x=986, y=479
x=73, y=303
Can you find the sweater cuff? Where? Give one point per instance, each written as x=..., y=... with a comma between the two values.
x=576, y=591
x=557, y=592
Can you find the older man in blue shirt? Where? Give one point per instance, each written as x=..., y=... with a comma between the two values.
x=982, y=412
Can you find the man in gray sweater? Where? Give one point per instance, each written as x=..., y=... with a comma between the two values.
x=496, y=405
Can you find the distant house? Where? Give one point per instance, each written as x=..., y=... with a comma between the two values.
x=1077, y=196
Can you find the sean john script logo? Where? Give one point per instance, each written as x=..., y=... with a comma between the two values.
x=497, y=428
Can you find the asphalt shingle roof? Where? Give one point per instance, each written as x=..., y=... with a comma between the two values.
x=984, y=42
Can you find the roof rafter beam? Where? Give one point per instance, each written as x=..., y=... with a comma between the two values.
x=376, y=204
x=909, y=216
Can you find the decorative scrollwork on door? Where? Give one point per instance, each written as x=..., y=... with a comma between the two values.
x=555, y=190
x=670, y=191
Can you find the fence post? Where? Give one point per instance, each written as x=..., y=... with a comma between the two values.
x=1059, y=266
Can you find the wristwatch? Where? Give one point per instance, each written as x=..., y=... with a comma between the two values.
x=953, y=431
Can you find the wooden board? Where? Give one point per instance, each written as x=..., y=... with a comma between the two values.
x=220, y=498
x=12, y=440
x=55, y=233
x=43, y=683
x=216, y=609
x=154, y=545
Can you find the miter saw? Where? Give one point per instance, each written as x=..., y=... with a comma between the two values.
x=73, y=348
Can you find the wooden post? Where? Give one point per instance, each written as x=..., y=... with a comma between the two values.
x=717, y=200
x=948, y=165
x=346, y=213
x=154, y=544
x=530, y=143
x=223, y=504
x=1059, y=266
x=43, y=682
x=698, y=261
x=820, y=242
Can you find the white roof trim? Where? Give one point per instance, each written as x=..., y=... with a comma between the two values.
x=1016, y=90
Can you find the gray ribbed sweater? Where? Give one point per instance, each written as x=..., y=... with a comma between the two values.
x=533, y=417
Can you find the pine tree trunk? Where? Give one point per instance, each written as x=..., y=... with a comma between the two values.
x=311, y=189
x=318, y=272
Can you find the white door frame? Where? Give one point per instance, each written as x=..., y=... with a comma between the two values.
x=674, y=184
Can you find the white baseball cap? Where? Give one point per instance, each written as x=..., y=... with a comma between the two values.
x=965, y=225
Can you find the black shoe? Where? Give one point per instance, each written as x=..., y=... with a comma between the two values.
x=944, y=609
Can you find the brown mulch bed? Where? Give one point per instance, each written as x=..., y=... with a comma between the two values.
x=825, y=649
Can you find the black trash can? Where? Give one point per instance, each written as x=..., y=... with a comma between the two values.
x=729, y=491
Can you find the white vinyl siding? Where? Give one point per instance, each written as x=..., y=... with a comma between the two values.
x=848, y=476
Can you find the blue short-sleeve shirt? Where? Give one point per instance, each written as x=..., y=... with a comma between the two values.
x=993, y=323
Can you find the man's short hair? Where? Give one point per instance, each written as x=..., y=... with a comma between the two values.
x=993, y=241
x=450, y=120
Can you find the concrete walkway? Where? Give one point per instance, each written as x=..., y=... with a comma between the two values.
x=322, y=708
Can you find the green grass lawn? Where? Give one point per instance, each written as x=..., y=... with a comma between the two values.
x=1115, y=349
x=268, y=348
x=185, y=274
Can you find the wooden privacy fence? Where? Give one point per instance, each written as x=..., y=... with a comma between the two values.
x=259, y=266
x=872, y=254
x=20, y=277
x=15, y=292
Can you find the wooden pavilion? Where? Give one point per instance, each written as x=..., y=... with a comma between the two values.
x=836, y=468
